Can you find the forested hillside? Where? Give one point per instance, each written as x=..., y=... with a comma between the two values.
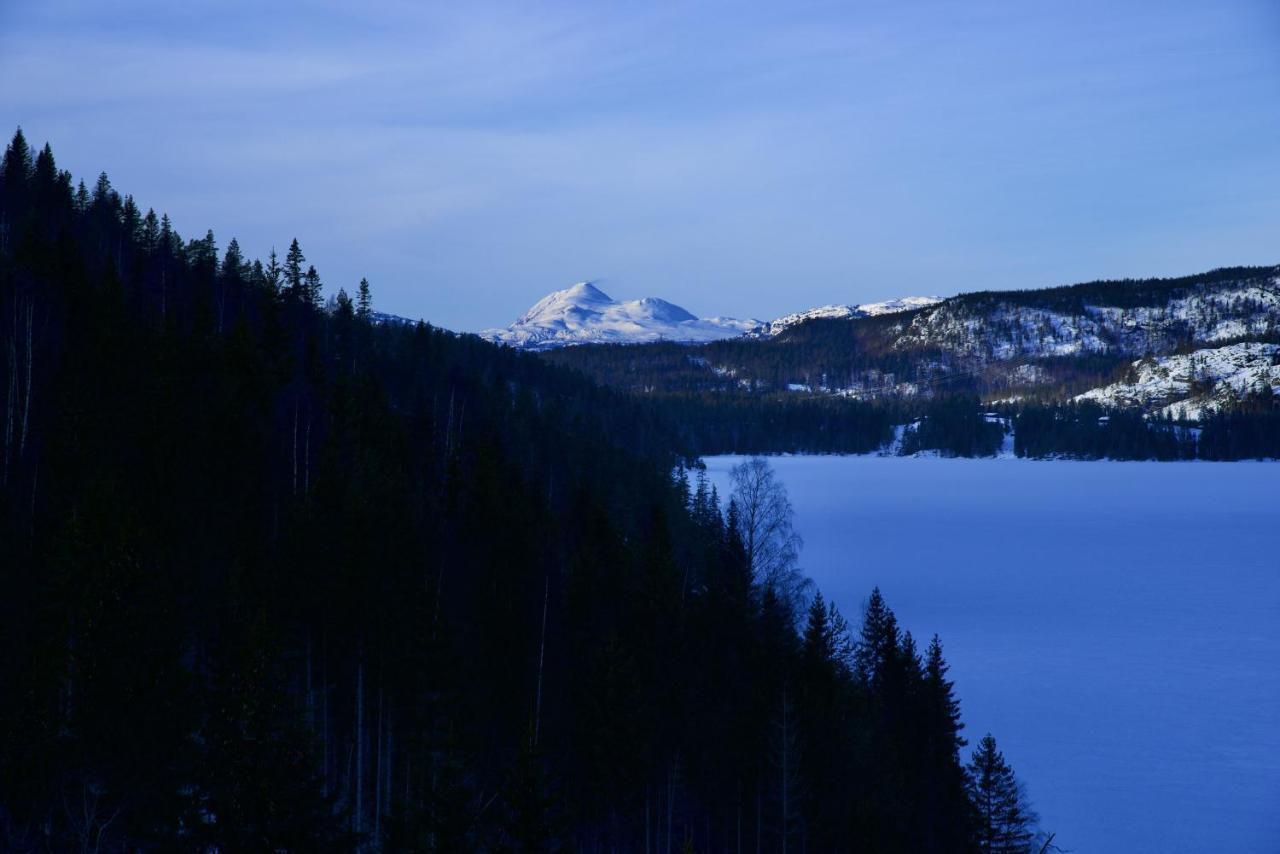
x=277, y=577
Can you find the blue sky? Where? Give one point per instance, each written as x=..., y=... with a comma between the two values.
x=737, y=159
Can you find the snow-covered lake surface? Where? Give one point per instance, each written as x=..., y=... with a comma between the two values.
x=1115, y=625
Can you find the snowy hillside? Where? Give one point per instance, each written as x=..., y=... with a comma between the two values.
x=1189, y=385
x=843, y=312
x=583, y=314
x=994, y=327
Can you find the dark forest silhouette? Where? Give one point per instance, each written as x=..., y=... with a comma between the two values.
x=277, y=577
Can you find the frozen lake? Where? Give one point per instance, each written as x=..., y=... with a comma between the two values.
x=1115, y=625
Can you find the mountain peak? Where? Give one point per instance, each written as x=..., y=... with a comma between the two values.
x=585, y=290
x=584, y=314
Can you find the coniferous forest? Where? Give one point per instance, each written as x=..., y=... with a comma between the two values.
x=277, y=577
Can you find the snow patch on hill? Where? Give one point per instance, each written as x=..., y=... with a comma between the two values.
x=843, y=312
x=1003, y=330
x=1192, y=384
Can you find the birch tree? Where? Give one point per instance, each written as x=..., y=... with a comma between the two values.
x=765, y=523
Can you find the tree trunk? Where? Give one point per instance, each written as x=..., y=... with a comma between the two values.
x=295, y=447
x=324, y=712
x=311, y=716
x=11, y=394
x=647, y=836
x=386, y=788
x=377, y=764
x=26, y=407
x=759, y=815
x=306, y=484
x=359, y=813
x=542, y=653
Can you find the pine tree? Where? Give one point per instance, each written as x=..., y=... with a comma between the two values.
x=816, y=646
x=82, y=198
x=273, y=273
x=293, y=262
x=102, y=192
x=150, y=232
x=16, y=168
x=131, y=219
x=311, y=287
x=44, y=175
x=943, y=705
x=364, y=301
x=231, y=278
x=1004, y=821
x=878, y=640
x=342, y=305
x=233, y=263
x=947, y=816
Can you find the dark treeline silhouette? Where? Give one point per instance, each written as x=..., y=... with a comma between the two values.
x=955, y=426
x=708, y=424
x=274, y=576
x=1086, y=430
x=1120, y=293
x=1249, y=429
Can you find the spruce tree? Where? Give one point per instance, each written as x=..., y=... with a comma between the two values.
x=878, y=640
x=150, y=232
x=343, y=304
x=82, y=197
x=273, y=273
x=235, y=271
x=1004, y=822
x=364, y=301
x=311, y=287
x=293, y=262
x=943, y=705
x=816, y=644
x=17, y=166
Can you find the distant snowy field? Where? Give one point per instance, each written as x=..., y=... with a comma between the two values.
x=1115, y=625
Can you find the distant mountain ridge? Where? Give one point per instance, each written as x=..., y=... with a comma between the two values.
x=584, y=314
x=1182, y=347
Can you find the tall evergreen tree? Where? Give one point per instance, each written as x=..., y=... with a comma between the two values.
x=234, y=267
x=273, y=273
x=364, y=301
x=312, y=291
x=878, y=640
x=943, y=705
x=293, y=272
x=1004, y=822
x=16, y=168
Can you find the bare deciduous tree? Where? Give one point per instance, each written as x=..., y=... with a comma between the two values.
x=772, y=545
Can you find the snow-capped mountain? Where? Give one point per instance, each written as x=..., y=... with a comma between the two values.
x=843, y=312
x=1189, y=385
x=584, y=314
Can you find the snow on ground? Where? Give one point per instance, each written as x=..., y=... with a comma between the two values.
x=1115, y=625
x=1191, y=384
x=841, y=312
x=893, y=306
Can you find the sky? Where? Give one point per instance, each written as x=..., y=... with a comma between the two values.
x=738, y=159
